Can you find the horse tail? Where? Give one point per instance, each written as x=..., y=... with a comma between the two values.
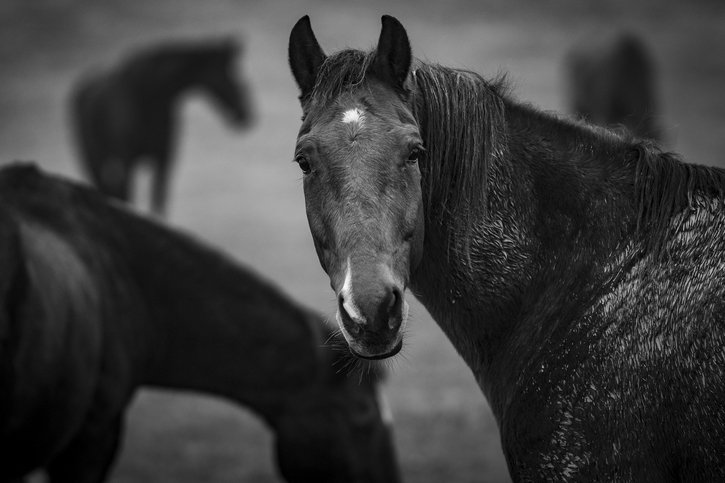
x=13, y=280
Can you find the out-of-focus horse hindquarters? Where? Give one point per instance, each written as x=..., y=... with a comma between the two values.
x=99, y=301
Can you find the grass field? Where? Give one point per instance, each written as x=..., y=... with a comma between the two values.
x=240, y=192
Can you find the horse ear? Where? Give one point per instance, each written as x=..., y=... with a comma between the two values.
x=393, y=56
x=305, y=55
x=231, y=46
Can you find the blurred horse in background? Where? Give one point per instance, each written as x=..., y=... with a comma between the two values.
x=127, y=115
x=578, y=271
x=98, y=301
x=612, y=81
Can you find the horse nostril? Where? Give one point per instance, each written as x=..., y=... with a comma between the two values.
x=392, y=301
x=351, y=325
x=395, y=300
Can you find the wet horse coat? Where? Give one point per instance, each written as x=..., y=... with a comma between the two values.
x=579, y=273
x=127, y=115
x=98, y=301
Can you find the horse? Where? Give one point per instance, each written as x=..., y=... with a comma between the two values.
x=126, y=115
x=579, y=272
x=99, y=301
x=612, y=81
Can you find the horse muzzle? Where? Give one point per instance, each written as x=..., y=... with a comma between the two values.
x=372, y=320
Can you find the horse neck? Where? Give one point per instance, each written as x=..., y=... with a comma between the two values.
x=218, y=329
x=545, y=203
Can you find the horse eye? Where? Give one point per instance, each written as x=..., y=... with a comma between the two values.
x=303, y=164
x=415, y=153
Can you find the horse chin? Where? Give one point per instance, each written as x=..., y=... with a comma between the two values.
x=376, y=356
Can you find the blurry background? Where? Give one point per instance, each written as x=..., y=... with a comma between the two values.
x=239, y=190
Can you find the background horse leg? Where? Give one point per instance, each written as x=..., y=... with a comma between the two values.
x=89, y=456
x=160, y=187
x=116, y=178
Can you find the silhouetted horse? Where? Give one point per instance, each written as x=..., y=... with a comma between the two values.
x=98, y=301
x=128, y=115
x=612, y=82
x=579, y=273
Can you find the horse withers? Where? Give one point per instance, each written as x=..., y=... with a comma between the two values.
x=579, y=272
x=127, y=115
x=98, y=301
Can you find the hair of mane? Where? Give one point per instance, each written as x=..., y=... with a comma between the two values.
x=463, y=126
x=665, y=187
x=340, y=72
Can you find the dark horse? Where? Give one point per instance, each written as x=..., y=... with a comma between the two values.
x=127, y=115
x=579, y=273
x=98, y=301
x=612, y=82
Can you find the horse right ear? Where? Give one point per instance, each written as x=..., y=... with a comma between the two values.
x=393, y=55
x=305, y=55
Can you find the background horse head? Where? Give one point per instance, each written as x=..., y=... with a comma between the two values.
x=215, y=77
x=128, y=115
x=100, y=301
x=612, y=82
x=332, y=432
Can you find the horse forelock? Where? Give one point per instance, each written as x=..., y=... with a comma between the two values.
x=340, y=72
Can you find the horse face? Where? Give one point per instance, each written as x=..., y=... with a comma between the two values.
x=359, y=151
x=230, y=93
x=337, y=433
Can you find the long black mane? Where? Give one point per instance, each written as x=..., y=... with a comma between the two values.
x=463, y=121
x=665, y=187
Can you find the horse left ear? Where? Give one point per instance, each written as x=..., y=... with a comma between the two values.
x=231, y=46
x=305, y=55
x=393, y=56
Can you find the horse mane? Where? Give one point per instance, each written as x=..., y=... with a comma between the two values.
x=665, y=187
x=462, y=120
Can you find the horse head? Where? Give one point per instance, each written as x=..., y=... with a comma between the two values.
x=218, y=78
x=358, y=149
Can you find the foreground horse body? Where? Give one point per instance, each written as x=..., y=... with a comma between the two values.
x=612, y=82
x=128, y=115
x=578, y=273
x=98, y=301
